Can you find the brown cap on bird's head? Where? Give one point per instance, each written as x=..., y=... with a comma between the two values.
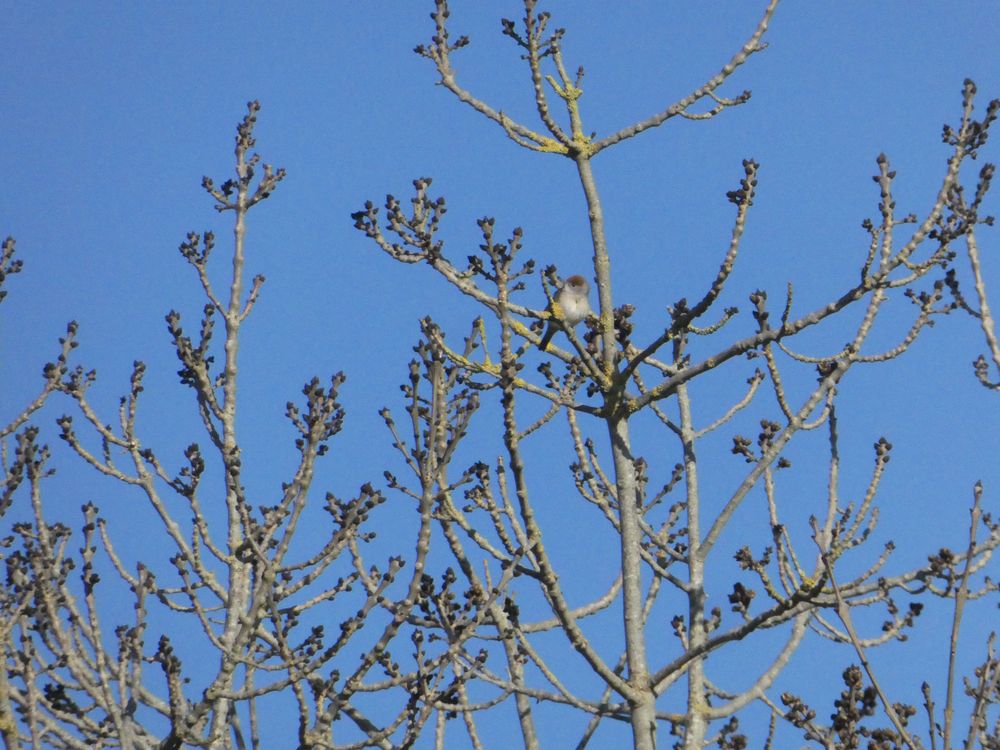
x=577, y=282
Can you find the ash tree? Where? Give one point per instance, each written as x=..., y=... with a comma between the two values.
x=475, y=621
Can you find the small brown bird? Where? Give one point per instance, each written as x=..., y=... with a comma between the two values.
x=573, y=308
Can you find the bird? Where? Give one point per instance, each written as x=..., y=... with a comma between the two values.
x=573, y=308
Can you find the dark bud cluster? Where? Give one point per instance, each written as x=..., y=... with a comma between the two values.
x=883, y=448
x=8, y=264
x=973, y=134
x=623, y=326
x=758, y=299
x=740, y=598
x=743, y=197
x=741, y=447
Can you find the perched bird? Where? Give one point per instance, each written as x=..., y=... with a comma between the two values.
x=573, y=308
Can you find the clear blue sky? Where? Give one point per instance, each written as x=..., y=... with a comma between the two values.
x=111, y=114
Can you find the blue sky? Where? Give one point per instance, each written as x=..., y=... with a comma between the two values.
x=113, y=112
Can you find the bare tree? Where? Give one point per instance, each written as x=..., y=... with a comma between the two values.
x=669, y=543
x=240, y=609
x=237, y=591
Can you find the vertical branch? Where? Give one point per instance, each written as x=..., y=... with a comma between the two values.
x=526, y=721
x=696, y=727
x=239, y=571
x=961, y=594
x=641, y=697
x=602, y=262
x=986, y=691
